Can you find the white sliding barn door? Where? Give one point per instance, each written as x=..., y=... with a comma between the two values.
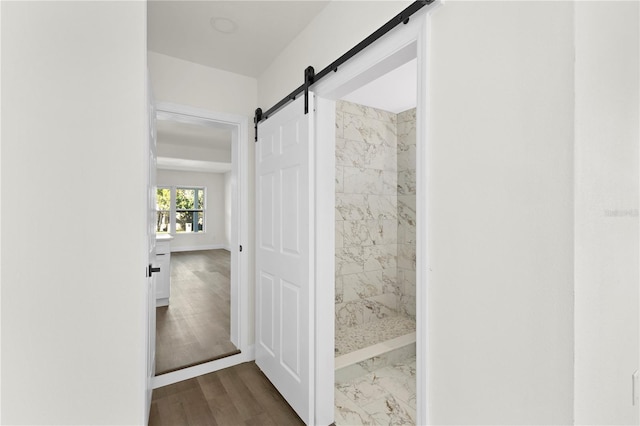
x=285, y=291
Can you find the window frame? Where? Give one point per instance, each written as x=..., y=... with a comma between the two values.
x=173, y=212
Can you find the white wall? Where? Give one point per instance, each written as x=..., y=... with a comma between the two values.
x=183, y=82
x=500, y=182
x=214, y=235
x=340, y=26
x=227, y=210
x=73, y=212
x=606, y=211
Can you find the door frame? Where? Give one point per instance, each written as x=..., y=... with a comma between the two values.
x=392, y=50
x=240, y=306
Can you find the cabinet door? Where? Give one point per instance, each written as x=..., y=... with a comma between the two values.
x=163, y=286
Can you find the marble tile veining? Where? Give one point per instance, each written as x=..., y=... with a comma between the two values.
x=375, y=265
x=389, y=182
x=407, y=218
x=350, y=338
x=391, y=411
x=408, y=115
x=407, y=209
x=357, y=233
x=339, y=233
x=385, y=396
x=380, y=257
x=351, y=153
x=349, y=260
x=382, y=133
x=348, y=412
x=382, y=206
x=352, y=207
x=362, y=181
x=408, y=305
x=339, y=124
x=407, y=182
x=365, y=111
x=339, y=293
x=362, y=285
x=376, y=362
x=375, y=212
x=355, y=128
x=407, y=158
x=339, y=178
x=361, y=311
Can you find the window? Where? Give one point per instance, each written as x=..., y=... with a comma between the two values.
x=180, y=209
x=189, y=209
x=163, y=208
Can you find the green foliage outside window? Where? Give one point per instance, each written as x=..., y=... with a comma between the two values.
x=163, y=208
x=189, y=209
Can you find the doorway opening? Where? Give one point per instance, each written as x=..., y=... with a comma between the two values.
x=373, y=294
x=202, y=311
x=375, y=284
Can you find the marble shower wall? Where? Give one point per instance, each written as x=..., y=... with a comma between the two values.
x=406, y=272
x=367, y=215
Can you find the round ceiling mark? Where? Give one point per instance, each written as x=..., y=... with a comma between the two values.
x=223, y=25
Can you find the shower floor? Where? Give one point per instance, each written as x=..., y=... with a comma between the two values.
x=350, y=339
x=375, y=380
x=386, y=396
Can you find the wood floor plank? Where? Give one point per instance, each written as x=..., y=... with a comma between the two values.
x=168, y=414
x=195, y=327
x=263, y=419
x=239, y=395
x=224, y=411
x=177, y=388
x=267, y=395
x=199, y=414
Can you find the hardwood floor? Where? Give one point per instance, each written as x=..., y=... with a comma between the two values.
x=239, y=395
x=195, y=327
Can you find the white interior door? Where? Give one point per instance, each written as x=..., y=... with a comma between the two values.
x=150, y=336
x=284, y=293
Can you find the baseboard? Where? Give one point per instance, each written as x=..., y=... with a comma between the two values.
x=202, y=369
x=196, y=248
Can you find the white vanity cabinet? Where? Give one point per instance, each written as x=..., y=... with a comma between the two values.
x=163, y=260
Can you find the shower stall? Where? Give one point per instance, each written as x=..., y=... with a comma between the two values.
x=375, y=282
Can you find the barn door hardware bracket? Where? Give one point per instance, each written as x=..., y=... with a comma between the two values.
x=309, y=77
x=256, y=120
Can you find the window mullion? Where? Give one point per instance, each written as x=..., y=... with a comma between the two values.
x=172, y=213
x=194, y=215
